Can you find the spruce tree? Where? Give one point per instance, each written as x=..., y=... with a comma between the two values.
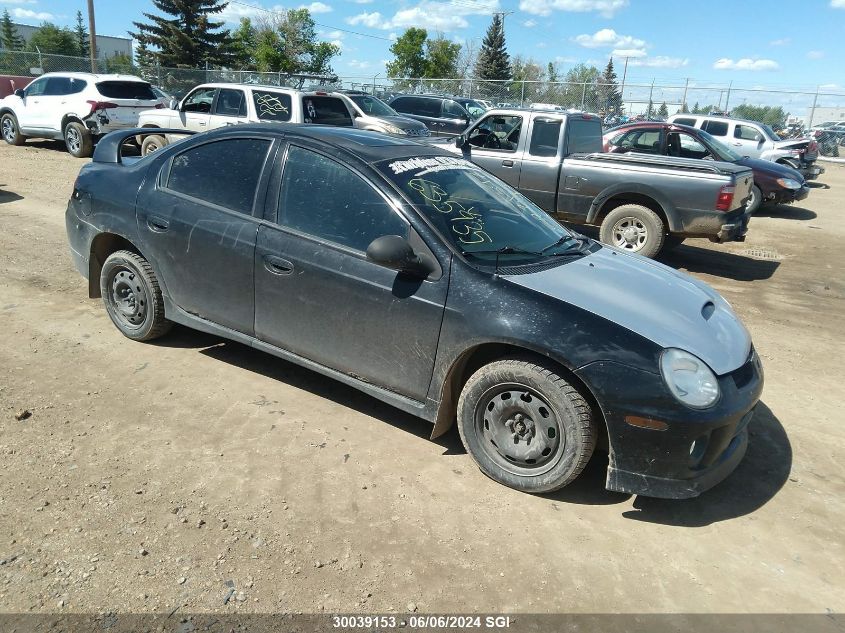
x=190, y=38
x=663, y=111
x=493, y=60
x=9, y=38
x=610, y=98
x=81, y=33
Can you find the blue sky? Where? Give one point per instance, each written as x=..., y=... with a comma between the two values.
x=774, y=43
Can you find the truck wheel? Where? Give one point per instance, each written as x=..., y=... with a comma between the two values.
x=755, y=200
x=525, y=426
x=132, y=296
x=634, y=228
x=78, y=140
x=9, y=128
x=152, y=144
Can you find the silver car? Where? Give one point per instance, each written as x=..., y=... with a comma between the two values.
x=371, y=113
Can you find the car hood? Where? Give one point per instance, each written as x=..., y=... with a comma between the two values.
x=659, y=303
x=772, y=169
x=403, y=122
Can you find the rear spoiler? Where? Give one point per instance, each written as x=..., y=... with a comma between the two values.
x=108, y=147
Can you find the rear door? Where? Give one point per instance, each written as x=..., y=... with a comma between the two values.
x=326, y=110
x=229, y=108
x=198, y=226
x=130, y=97
x=195, y=111
x=424, y=109
x=496, y=142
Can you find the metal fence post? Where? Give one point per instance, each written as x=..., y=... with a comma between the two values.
x=728, y=100
x=684, y=102
x=583, y=94
x=813, y=110
x=470, y=88
x=522, y=94
x=650, y=100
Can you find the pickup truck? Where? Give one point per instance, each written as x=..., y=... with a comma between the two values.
x=640, y=202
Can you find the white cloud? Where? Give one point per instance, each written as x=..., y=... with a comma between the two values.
x=363, y=1
x=608, y=38
x=815, y=54
x=438, y=16
x=233, y=13
x=333, y=35
x=32, y=15
x=607, y=8
x=837, y=4
x=316, y=7
x=629, y=52
x=660, y=61
x=360, y=65
x=745, y=64
x=781, y=42
x=530, y=24
x=830, y=87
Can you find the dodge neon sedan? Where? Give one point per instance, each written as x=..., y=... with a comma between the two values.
x=422, y=280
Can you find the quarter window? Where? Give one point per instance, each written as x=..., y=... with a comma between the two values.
x=230, y=103
x=583, y=135
x=716, y=128
x=322, y=198
x=545, y=137
x=223, y=173
x=689, y=122
x=272, y=106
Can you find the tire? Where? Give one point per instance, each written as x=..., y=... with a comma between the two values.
x=78, y=140
x=152, y=144
x=132, y=296
x=672, y=241
x=755, y=201
x=10, y=131
x=633, y=228
x=490, y=407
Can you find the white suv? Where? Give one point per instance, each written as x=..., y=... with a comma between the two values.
x=214, y=105
x=75, y=107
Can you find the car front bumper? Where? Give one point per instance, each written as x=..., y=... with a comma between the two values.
x=785, y=196
x=660, y=448
x=811, y=171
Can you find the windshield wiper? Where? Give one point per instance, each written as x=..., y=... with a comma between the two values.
x=563, y=240
x=504, y=250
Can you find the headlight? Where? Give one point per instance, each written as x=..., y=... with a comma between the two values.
x=689, y=379
x=392, y=129
x=789, y=183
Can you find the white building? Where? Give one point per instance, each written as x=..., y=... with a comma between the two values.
x=826, y=113
x=107, y=46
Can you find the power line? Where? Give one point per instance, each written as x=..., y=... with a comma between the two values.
x=325, y=26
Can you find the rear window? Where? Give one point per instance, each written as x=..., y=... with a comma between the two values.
x=326, y=110
x=690, y=122
x=272, y=106
x=583, y=136
x=126, y=90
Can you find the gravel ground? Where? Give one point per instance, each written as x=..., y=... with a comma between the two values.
x=197, y=475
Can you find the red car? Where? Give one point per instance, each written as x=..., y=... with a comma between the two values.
x=773, y=183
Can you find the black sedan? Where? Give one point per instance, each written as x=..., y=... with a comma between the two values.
x=417, y=277
x=773, y=183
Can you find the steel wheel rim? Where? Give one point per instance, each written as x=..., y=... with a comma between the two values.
x=74, y=141
x=752, y=201
x=8, y=130
x=518, y=430
x=629, y=233
x=152, y=146
x=128, y=298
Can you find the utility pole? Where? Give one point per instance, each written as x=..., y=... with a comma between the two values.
x=622, y=91
x=93, y=29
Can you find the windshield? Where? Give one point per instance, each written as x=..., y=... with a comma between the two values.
x=488, y=221
x=373, y=106
x=770, y=132
x=719, y=150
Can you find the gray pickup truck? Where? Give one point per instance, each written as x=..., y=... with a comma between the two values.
x=641, y=203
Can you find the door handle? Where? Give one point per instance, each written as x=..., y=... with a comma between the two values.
x=737, y=144
x=507, y=163
x=157, y=224
x=277, y=265
x=202, y=123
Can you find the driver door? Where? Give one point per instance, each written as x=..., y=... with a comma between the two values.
x=195, y=112
x=497, y=146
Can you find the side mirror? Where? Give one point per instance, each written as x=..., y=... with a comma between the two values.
x=396, y=253
x=173, y=105
x=20, y=93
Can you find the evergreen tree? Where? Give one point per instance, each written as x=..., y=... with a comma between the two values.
x=144, y=57
x=82, y=41
x=610, y=98
x=696, y=109
x=9, y=38
x=493, y=60
x=190, y=38
x=663, y=111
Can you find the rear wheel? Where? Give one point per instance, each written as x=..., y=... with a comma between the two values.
x=633, y=228
x=78, y=140
x=152, y=144
x=755, y=200
x=10, y=131
x=132, y=296
x=525, y=426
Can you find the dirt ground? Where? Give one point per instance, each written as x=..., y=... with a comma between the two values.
x=160, y=477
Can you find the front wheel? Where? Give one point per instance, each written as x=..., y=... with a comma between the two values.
x=10, y=131
x=755, y=200
x=132, y=296
x=78, y=140
x=633, y=228
x=525, y=426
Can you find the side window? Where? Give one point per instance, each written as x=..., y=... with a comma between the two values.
x=199, y=100
x=583, y=135
x=36, y=88
x=230, y=103
x=716, y=128
x=57, y=86
x=687, y=146
x=497, y=132
x=453, y=110
x=747, y=133
x=322, y=198
x=690, y=122
x=326, y=110
x=225, y=173
x=402, y=104
x=545, y=137
x=272, y=106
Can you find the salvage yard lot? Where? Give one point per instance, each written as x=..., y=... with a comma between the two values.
x=149, y=476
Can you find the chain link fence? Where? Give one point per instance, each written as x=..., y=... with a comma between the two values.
x=652, y=99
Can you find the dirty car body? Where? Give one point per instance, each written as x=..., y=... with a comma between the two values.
x=477, y=285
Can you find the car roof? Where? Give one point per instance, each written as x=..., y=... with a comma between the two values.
x=222, y=84
x=661, y=124
x=368, y=146
x=94, y=77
